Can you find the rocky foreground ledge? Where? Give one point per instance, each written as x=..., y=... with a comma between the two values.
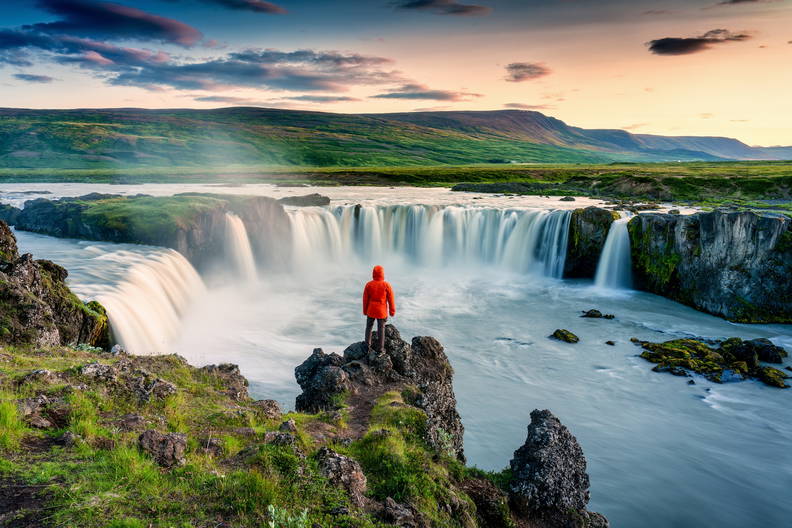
x=90, y=438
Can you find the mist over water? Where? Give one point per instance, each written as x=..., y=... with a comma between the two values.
x=484, y=281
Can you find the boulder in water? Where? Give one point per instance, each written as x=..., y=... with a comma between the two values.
x=549, y=479
x=565, y=335
x=596, y=314
x=567, y=199
x=733, y=360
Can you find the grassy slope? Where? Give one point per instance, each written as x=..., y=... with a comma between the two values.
x=104, y=480
x=170, y=138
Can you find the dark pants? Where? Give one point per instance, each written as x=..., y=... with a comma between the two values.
x=380, y=332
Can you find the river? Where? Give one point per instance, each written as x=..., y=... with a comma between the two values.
x=661, y=453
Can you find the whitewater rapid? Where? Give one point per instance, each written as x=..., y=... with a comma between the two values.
x=485, y=281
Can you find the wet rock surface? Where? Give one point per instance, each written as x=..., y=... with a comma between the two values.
x=422, y=364
x=588, y=230
x=732, y=264
x=596, y=314
x=732, y=360
x=565, y=336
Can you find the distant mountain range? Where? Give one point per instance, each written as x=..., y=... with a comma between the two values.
x=129, y=137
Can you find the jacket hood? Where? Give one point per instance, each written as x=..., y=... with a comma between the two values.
x=378, y=273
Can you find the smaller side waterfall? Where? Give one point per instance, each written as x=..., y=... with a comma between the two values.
x=238, y=247
x=614, y=270
x=145, y=310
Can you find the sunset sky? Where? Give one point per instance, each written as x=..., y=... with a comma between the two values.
x=675, y=67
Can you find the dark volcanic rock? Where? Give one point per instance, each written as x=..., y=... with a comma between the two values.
x=343, y=472
x=38, y=308
x=549, y=479
x=588, y=230
x=732, y=264
x=422, y=364
x=596, y=314
x=564, y=335
x=307, y=200
x=234, y=383
x=166, y=449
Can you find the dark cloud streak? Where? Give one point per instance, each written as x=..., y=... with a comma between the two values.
x=257, y=6
x=526, y=71
x=444, y=7
x=420, y=92
x=688, y=45
x=88, y=18
x=31, y=78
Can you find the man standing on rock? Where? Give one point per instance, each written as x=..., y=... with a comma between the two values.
x=377, y=303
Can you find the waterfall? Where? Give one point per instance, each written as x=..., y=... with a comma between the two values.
x=238, y=247
x=614, y=270
x=146, y=308
x=521, y=240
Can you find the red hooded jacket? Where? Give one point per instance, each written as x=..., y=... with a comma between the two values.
x=378, y=296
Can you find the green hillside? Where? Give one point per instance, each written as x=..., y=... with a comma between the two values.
x=250, y=136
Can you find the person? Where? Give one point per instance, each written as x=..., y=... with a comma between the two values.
x=378, y=302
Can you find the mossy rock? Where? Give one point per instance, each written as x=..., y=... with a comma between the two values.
x=565, y=335
x=772, y=376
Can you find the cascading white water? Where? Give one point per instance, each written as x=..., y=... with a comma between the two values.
x=520, y=240
x=145, y=310
x=238, y=247
x=614, y=270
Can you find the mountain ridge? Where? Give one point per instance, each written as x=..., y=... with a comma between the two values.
x=113, y=137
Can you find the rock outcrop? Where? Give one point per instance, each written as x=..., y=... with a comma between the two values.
x=191, y=223
x=588, y=230
x=360, y=371
x=733, y=360
x=38, y=308
x=564, y=335
x=306, y=200
x=549, y=480
x=732, y=264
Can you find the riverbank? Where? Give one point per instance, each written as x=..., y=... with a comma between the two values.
x=694, y=181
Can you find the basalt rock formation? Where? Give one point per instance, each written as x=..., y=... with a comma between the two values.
x=421, y=367
x=588, y=230
x=193, y=224
x=549, y=482
x=38, y=308
x=733, y=264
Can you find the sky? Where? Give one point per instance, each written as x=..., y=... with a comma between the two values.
x=676, y=67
